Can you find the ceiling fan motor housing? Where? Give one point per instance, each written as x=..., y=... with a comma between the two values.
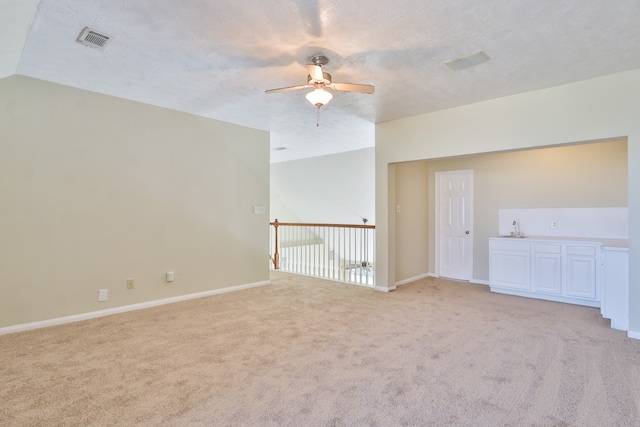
x=326, y=79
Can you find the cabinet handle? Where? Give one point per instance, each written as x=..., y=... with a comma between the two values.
x=466, y=232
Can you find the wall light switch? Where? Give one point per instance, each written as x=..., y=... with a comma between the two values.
x=102, y=294
x=169, y=276
x=397, y=208
x=258, y=210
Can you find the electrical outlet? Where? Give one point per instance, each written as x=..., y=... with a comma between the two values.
x=169, y=276
x=130, y=284
x=554, y=224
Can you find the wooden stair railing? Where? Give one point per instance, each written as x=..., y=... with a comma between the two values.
x=319, y=233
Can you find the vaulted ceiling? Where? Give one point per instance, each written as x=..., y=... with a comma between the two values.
x=216, y=58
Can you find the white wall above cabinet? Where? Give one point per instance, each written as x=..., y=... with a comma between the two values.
x=607, y=223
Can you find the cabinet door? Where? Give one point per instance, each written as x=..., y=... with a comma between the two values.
x=581, y=276
x=547, y=273
x=510, y=270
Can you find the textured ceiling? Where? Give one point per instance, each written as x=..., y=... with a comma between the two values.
x=215, y=58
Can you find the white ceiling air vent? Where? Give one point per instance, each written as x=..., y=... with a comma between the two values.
x=467, y=61
x=94, y=39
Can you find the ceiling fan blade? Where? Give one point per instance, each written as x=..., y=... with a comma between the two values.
x=283, y=89
x=352, y=87
x=315, y=71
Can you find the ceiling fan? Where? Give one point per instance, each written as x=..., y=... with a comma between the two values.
x=319, y=81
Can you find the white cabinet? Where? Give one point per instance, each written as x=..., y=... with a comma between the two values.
x=615, y=296
x=563, y=271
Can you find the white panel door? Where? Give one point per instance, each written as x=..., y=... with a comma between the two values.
x=455, y=241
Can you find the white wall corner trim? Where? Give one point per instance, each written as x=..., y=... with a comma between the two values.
x=633, y=334
x=383, y=289
x=412, y=279
x=473, y=281
x=123, y=309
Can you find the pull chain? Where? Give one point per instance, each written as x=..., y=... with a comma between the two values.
x=318, y=117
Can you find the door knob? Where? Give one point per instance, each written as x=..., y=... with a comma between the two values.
x=466, y=232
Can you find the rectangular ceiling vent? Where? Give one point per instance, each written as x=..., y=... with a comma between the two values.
x=467, y=61
x=94, y=39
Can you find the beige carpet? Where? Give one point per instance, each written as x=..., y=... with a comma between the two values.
x=306, y=352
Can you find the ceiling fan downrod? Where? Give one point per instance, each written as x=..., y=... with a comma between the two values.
x=319, y=60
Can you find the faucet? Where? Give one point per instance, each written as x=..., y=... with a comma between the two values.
x=514, y=233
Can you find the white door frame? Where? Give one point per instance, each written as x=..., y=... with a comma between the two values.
x=437, y=218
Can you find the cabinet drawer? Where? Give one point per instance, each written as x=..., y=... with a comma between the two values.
x=548, y=248
x=581, y=250
x=509, y=245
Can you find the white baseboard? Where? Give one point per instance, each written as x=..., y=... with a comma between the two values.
x=633, y=334
x=474, y=281
x=383, y=289
x=125, y=308
x=412, y=279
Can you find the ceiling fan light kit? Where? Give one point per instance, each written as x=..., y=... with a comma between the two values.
x=319, y=97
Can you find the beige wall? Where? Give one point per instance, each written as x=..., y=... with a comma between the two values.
x=598, y=109
x=412, y=235
x=96, y=189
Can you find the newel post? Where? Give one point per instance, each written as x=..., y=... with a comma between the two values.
x=276, y=255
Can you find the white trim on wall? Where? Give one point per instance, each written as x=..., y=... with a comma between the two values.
x=412, y=279
x=124, y=309
x=423, y=276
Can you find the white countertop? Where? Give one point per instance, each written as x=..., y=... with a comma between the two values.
x=606, y=243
